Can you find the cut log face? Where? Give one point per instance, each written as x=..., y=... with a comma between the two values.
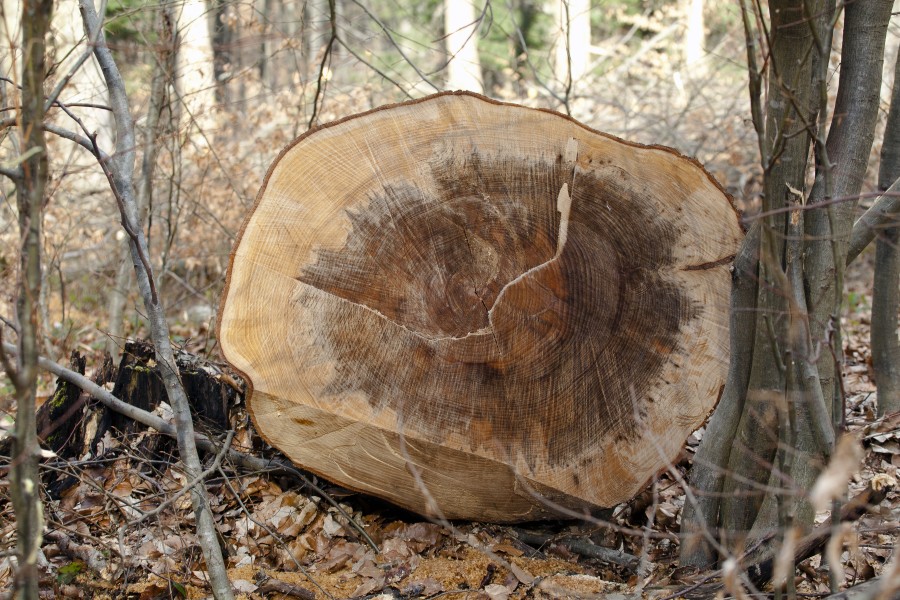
x=510, y=303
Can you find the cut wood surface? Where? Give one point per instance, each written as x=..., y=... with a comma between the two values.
x=524, y=306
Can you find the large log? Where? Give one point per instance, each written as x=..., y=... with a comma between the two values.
x=529, y=302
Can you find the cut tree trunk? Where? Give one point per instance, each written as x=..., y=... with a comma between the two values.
x=492, y=303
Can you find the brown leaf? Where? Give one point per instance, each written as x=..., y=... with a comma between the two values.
x=506, y=549
x=497, y=592
x=338, y=556
x=395, y=549
x=423, y=587
x=372, y=585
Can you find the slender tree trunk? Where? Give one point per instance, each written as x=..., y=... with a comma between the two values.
x=461, y=31
x=24, y=475
x=848, y=145
x=757, y=433
x=122, y=169
x=223, y=53
x=195, y=76
x=163, y=72
x=885, y=344
x=785, y=365
x=572, y=48
x=711, y=460
x=694, y=34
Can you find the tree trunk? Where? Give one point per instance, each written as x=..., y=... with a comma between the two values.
x=572, y=48
x=195, y=75
x=756, y=436
x=885, y=344
x=462, y=32
x=122, y=169
x=509, y=334
x=24, y=475
x=163, y=72
x=694, y=34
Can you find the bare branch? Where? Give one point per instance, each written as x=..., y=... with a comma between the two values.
x=396, y=45
x=880, y=215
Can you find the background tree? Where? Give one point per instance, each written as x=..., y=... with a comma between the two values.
x=885, y=343
x=462, y=23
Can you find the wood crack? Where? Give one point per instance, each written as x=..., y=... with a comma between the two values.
x=389, y=320
x=711, y=265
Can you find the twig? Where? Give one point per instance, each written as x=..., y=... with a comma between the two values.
x=396, y=45
x=580, y=547
x=274, y=535
x=157, y=423
x=187, y=488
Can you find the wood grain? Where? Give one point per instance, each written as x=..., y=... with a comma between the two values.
x=531, y=302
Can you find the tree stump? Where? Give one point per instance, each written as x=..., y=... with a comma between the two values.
x=498, y=300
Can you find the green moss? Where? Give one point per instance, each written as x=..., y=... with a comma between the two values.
x=60, y=396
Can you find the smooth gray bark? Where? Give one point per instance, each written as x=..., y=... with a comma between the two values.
x=788, y=148
x=711, y=460
x=122, y=167
x=886, y=294
x=162, y=74
x=849, y=143
x=883, y=212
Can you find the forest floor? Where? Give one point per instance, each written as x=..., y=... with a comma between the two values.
x=274, y=529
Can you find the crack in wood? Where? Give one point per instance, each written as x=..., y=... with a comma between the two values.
x=710, y=265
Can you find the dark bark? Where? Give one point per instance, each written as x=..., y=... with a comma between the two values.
x=886, y=294
x=139, y=383
x=788, y=147
x=582, y=547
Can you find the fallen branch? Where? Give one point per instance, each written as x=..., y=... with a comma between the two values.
x=581, y=547
x=203, y=443
x=868, y=590
x=814, y=543
x=276, y=585
x=93, y=558
x=760, y=573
